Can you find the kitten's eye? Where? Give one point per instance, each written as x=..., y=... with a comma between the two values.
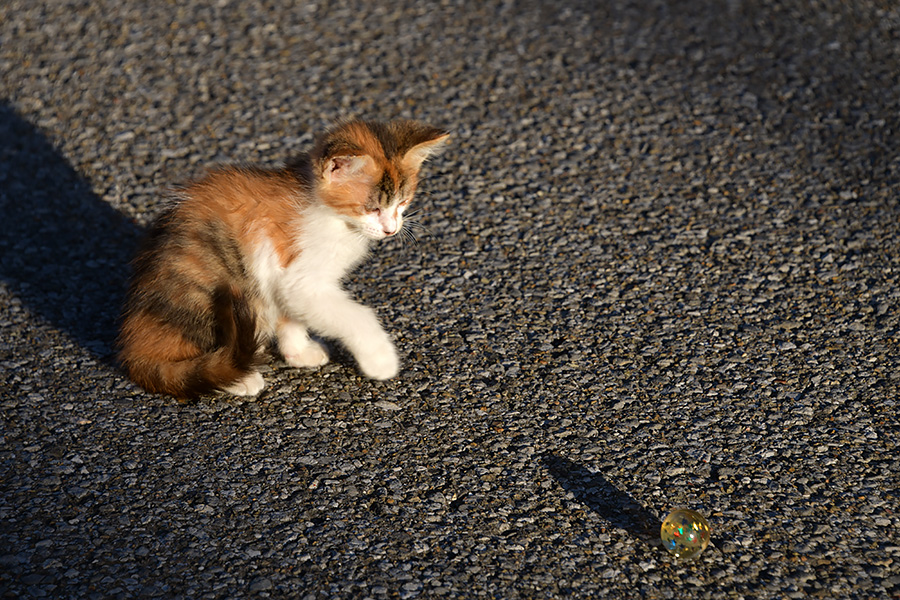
x=374, y=211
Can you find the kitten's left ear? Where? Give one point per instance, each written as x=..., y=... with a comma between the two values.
x=342, y=169
x=435, y=140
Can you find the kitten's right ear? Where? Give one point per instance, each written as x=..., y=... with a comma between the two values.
x=422, y=151
x=343, y=169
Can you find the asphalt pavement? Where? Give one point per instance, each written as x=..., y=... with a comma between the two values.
x=658, y=266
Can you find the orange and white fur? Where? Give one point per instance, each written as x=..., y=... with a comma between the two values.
x=247, y=254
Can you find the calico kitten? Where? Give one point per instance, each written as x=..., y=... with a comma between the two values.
x=248, y=254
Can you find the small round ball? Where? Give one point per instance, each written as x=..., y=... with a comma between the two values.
x=684, y=533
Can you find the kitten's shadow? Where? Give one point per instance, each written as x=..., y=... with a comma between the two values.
x=597, y=493
x=63, y=251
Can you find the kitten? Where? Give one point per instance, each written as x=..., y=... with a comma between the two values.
x=250, y=254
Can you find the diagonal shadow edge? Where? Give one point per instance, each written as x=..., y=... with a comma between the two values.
x=597, y=493
x=64, y=252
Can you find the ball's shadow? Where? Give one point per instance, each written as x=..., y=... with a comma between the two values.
x=64, y=252
x=597, y=493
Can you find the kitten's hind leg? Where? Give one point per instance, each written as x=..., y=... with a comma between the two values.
x=250, y=385
x=297, y=348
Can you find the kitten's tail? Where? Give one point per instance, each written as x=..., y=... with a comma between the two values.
x=234, y=358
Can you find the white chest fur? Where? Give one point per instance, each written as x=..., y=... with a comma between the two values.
x=307, y=293
x=329, y=248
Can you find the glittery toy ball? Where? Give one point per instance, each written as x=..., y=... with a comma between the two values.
x=685, y=533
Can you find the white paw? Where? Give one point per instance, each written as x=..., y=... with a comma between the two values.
x=309, y=356
x=297, y=348
x=250, y=385
x=381, y=362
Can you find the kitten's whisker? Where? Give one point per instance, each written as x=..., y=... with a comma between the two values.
x=417, y=227
x=408, y=236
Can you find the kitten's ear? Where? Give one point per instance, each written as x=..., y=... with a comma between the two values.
x=423, y=150
x=342, y=169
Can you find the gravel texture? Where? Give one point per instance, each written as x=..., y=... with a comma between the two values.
x=661, y=269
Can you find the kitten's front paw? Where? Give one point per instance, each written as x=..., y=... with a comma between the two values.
x=250, y=385
x=381, y=362
x=312, y=355
x=298, y=349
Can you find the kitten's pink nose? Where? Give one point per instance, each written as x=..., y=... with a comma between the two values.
x=390, y=224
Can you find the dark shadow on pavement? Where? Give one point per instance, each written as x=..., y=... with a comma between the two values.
x=820, y=79
x=597, y=493
x=64, y=252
